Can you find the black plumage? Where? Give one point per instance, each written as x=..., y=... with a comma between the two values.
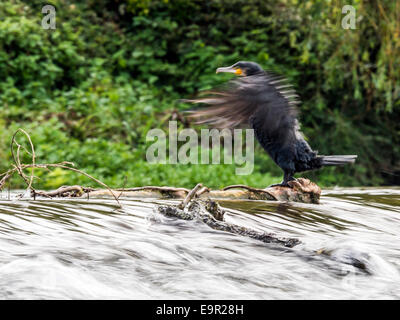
x=267, y=103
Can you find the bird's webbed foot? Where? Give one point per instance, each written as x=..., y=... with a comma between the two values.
x=284, y=183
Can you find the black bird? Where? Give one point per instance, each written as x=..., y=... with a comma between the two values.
x=266, y=102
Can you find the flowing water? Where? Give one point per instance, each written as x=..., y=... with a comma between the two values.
x=91, y=249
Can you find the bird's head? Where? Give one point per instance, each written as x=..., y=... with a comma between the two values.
x=242, y=68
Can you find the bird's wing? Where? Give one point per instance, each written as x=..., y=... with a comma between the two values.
x=265, y=99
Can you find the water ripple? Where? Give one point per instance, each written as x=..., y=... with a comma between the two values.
x=80, y=249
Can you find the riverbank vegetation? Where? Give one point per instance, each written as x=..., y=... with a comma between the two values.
x=90, y=90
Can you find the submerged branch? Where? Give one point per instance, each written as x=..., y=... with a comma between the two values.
x=210, y=213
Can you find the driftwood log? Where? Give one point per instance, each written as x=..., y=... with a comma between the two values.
x=302, y=190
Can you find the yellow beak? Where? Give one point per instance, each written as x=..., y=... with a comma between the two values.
x=236, y=71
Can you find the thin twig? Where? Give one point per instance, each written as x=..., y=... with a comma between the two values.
x=242, y=186
x=18, y=167
x=17, y=159
x=154, y=188
x=76, y=170
x=123, y=187
x=202, y=190
x=189, y=196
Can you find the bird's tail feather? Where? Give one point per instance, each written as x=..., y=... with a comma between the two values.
x=337, y=160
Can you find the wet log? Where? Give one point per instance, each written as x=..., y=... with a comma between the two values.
x=301, y=190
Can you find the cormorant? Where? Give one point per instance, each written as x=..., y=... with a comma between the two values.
x=266, y=102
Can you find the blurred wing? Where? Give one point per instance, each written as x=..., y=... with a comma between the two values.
x=265, y=100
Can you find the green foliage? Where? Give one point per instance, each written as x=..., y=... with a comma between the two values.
x=89, y=90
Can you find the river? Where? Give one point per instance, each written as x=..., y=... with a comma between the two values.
x=92, y=249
